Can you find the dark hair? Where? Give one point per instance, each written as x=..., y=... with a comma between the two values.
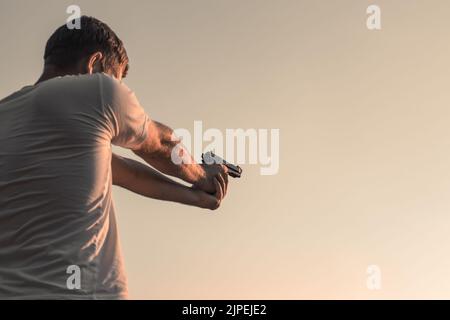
x=66, y=47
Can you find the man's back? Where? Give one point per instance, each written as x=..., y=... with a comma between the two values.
x=56, y=209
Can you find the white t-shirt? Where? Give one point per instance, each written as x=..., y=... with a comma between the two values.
x=56, y=208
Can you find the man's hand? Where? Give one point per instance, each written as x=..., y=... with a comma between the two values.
x=212, y=201
x=144, y=180
x=211, y=172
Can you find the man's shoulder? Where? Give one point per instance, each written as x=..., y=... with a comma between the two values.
x=110, y=83
x=92, y=80
x=86, y=82
x=69, y=83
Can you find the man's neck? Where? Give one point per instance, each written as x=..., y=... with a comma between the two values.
x=53, y=72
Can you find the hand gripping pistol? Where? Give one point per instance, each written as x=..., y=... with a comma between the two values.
x=210, y=158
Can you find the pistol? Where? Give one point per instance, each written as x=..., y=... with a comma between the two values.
x=210, y=158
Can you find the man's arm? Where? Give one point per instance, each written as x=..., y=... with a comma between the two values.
x=157, y=150
x=144, y=180
x=131, y=128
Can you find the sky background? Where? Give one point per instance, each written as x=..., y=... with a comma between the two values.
x=364, y=119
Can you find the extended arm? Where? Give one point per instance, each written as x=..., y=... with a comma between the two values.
x=158, y=150
x=154, y=142
x=144, y=180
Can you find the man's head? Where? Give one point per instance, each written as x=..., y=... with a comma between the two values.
x=92, y=48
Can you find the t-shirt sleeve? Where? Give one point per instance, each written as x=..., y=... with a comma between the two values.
x=127, y=119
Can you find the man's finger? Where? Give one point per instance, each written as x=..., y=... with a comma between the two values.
x=219, y=190
x=225, y=177
x=224, y=169
x=222, y=184
x=224, y=174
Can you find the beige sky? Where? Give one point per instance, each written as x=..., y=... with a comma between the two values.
x=365, y=160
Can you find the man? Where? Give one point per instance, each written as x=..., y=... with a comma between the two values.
x=57, y=169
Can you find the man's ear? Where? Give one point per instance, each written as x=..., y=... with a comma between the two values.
x=94, y=63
